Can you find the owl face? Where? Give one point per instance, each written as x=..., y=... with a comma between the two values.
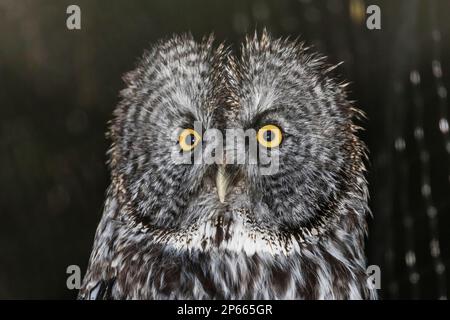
x=299, y=117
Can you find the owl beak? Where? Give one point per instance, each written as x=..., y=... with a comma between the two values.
x=222, y=181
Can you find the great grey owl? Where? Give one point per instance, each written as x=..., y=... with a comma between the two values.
x=175, y=230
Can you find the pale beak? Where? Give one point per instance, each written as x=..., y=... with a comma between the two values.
x=222, y=181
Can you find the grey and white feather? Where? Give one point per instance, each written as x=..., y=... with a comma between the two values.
x=166, y=233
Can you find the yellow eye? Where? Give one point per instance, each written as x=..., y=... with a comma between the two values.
x=270, y=136
x=188, y=139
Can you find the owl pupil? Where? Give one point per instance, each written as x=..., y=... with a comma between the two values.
x=190, y=139
x=269, y=135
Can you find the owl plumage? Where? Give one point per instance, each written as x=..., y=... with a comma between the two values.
x=166, y=233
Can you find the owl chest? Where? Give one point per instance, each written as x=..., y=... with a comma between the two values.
x=162, y=273
x=222, y=276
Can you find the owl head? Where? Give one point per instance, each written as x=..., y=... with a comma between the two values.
x=292, y=113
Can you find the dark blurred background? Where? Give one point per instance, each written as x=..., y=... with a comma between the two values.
x=58, y=88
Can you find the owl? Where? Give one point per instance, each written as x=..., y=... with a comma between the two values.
x=231, y=229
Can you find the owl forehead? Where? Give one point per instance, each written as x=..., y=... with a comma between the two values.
x=184, y=79
x=181, y=79
x=176, y=80
x=275, y=89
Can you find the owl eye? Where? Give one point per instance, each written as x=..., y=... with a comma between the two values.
x=270, y=136
x=188, y=139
